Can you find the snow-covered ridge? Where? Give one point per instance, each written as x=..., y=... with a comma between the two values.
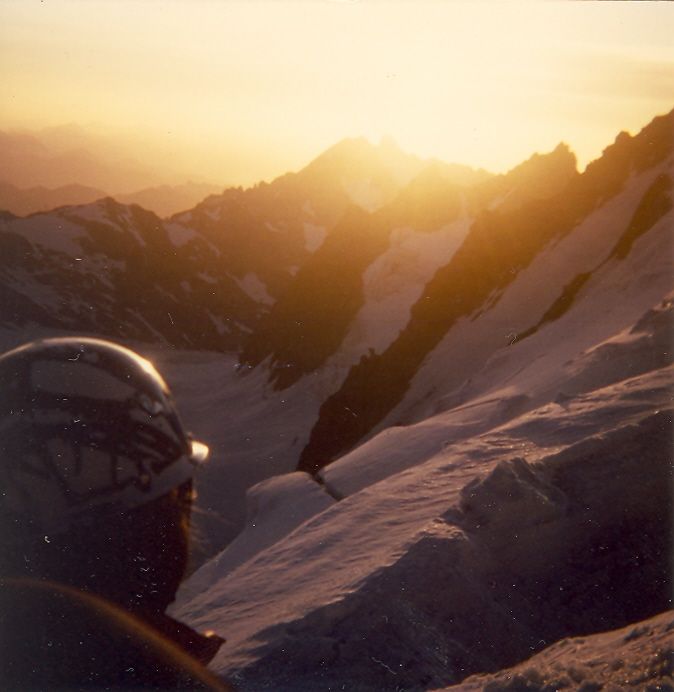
x=275, y=507
x=401, y=571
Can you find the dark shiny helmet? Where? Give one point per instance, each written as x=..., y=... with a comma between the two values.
x=86, y=426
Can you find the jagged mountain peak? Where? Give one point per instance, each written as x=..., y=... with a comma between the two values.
x=352, y=171
x=649, y=146
x=358, y=147
x=539, y=177
x=560, y=162
x=111, y=207
x=356, y=160
x=373, y=175
x=355, y=156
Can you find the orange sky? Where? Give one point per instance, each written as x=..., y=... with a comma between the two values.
x=240, y=91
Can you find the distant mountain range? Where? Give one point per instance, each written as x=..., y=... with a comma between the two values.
x=360, y=268
x=67, y=156
x=67, y=166
x=163, y=200
x=230, y=257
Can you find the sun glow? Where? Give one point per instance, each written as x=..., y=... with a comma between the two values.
x=240, y=91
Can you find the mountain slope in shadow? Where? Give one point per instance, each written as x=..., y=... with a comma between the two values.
x=499, y=245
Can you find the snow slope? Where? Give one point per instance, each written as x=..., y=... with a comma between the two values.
x=551, y=368
x=374, y=591
x=367, y=592
x=275, y=508
x=613, y=297
x=535, y=286
x=394, y=281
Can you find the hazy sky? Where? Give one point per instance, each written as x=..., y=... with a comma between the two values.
x=240, y=91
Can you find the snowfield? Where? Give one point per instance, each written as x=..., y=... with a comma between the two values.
x=395, y=281
x=641, y=279
x=511, y=384
x=431, y=574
